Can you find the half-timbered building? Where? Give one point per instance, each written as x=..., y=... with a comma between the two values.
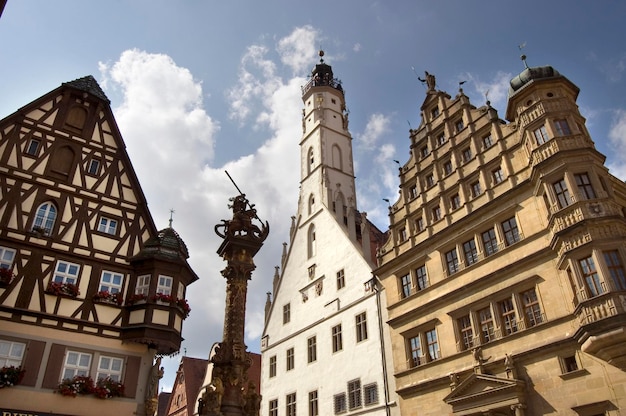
x=89, y=288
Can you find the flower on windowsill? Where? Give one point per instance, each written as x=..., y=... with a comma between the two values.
x=6, y=275
x=76, y=385
x=10, y=376
x=107, y=297
x=107, y=387
x=137, y=297
x=63, y=289
x=163, y=298
x=182, y=303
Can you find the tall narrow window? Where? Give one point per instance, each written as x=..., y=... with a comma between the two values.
x=311, y=241
x=498, y=175
x=490, y=243
x=584, y=186
x=466, y=155
x=486, y=324
x=422, y=277
x=452, y=261
x=311, y=160
x=475, y=189
x=313, y=403
x=45, y=217
x=592, y=280
x=562, y=193
x=94, y=167
x=511, y=232
x=341, y=279
x=419, y=224
x=311, y=347
x=459, y=125
x=487, y=141
x=370, y=394
x=339, y=401
x=436, y=213
x=455, y=201
x=531, y=308
x=66, y=272
x=447, y=167
x=273, y=407
x=337, y=338
x=562, y=127
x=291, y=404
x=164, y=285
x=311, y=204
x=33, y=147
x=76, y=364
x=405, y=284
x=467, y=333
x=430, y=180
x=541, y=135
x=361, y=327
x=415, y=348
x=143, y=285
x=291, y=359
x=470, y=251
x=286, y=313
x=433, y=344
x=354, y=394
x=616, y=269
x=272, y=366
x=507, y=313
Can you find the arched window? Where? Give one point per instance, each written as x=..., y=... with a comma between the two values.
x=311, y=204
x=337, y=161
x=311, y=160
x=311, y=241
x=45, y=217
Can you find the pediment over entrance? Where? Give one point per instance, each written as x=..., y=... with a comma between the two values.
x=486, y=394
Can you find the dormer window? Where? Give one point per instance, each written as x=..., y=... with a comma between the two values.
x=441, y=139
x=459, y=125
x=434, y=112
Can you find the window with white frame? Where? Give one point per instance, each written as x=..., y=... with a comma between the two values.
x=447, y=167
x=424, y=151
x=490, y=242
x=430, y=180
x=354, y=394
x=470, y=252
x=7, y=255
x=164, y=285
x=487, y=327
x=413, y=192
x=475, y=189
x=487, y=141
x=94, y=167
x=441, y=139
x=510, y=230
x=111, y=282
x=532, y=309
x=436, y=211
x=452, y=261
x=466, y=154
x=370, y=394
x=422, y=347
x=107, y=225
x=361, y=327
x=76, y=364
x=143, y=285
x=591, y=277
x=459, y=125
x=498, y=175
x=507, y=316
x=402, y=236
x=455, y=201
x=11, y=353
x=466, y=331
x=66, y=272
x=33, y=147
x=110, y=367
x=339, y=402
x=45, y=217
x=419, y=224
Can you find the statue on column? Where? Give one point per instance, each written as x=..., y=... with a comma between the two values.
x=152, y=387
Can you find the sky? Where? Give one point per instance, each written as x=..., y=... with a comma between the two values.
x=200, y=87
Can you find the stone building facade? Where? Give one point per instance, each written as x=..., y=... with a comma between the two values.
x=504, y=272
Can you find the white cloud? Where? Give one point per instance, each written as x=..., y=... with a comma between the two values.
x=297, y=50
x=496, y=89
x=377, y=125
x=357, y=47
x=617, y=136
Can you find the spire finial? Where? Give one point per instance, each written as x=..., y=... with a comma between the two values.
x=321, y=55
x=171, y=216
x=523, y=57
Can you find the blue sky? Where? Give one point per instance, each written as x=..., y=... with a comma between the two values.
x=203, y=86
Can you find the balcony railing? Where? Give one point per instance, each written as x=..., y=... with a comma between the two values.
x=320, y=82
x=558, y=144
x=600, y=307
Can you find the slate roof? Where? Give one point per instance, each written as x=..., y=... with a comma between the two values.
x=166, y=245
x=89, y=85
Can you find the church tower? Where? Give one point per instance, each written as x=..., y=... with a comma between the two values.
x=323, y=347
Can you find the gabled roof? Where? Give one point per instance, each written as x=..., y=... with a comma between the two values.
x=481, y=392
